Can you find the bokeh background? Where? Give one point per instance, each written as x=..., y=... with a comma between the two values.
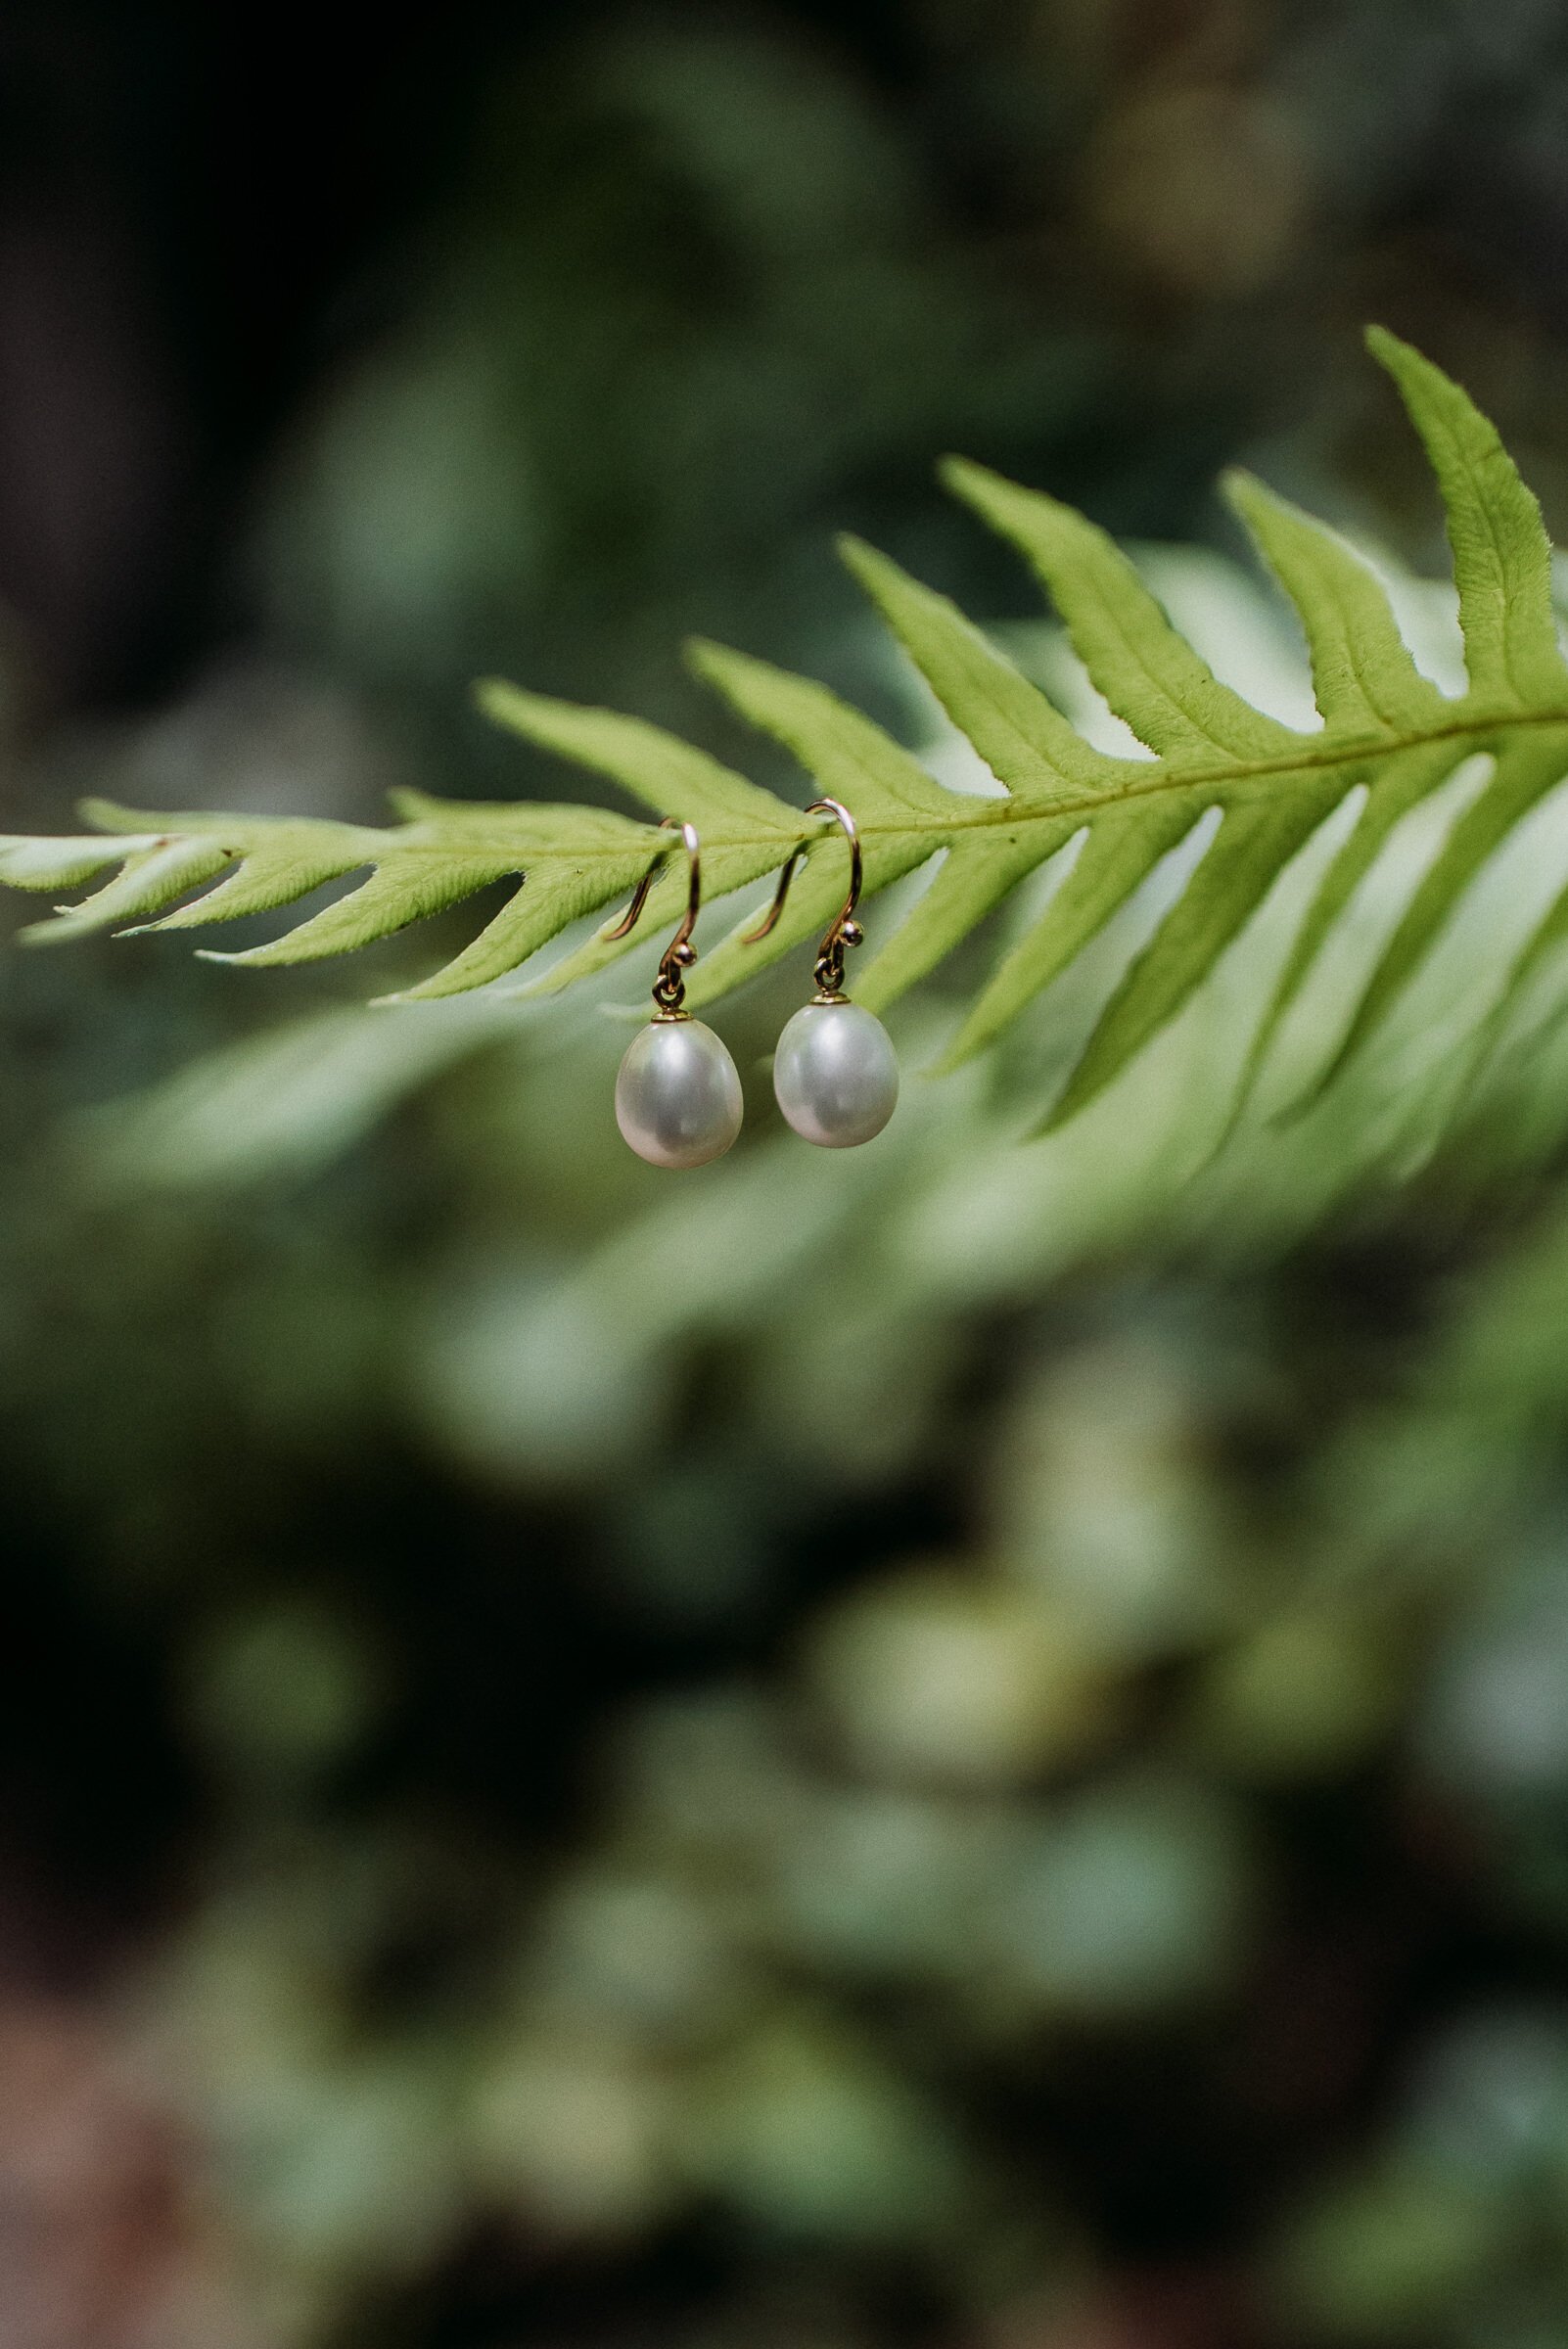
x=967, y=1748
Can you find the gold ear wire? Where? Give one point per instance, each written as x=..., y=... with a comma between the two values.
x=844, y=930
x=669, y=988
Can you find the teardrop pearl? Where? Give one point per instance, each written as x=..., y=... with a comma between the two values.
x=677, y=1097
x=836, y=1074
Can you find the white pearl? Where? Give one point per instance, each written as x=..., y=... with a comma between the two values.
x=836, y=1074
x=677, y=1097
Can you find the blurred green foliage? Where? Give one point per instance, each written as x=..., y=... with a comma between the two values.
x=960, y=1747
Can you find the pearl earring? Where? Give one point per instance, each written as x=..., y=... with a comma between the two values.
x=677, y=1096
x=835, y=1072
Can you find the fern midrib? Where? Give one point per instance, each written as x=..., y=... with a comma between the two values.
x=1315, y=756
x=1339, y=753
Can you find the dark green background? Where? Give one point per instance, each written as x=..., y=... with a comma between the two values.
x=584, y=1767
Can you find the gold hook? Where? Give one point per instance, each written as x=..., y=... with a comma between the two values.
x=669, y=988
x=844, y=930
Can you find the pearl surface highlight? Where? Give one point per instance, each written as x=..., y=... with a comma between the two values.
x=677, y=1097
x=836, y=1074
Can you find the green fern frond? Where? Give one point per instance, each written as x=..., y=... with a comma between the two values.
x=1389, y=741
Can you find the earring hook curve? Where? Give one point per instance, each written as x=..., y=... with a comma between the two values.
x=844, y=930
x=669, y=988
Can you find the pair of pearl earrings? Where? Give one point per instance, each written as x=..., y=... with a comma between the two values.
x=679, y=1095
